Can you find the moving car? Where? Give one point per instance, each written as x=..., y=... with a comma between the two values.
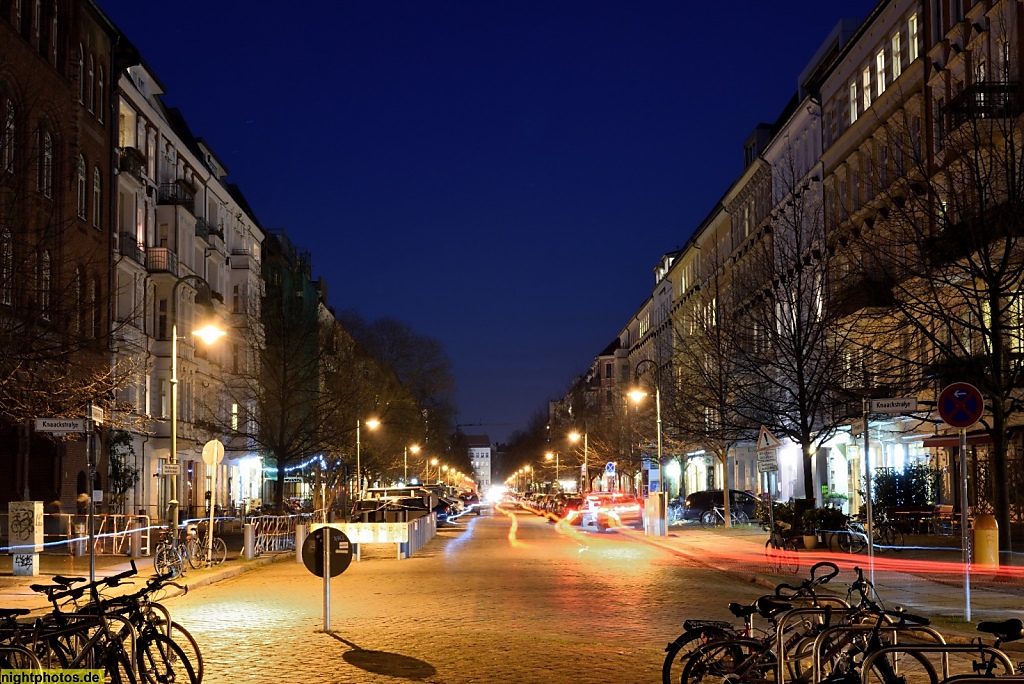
x=696, y=503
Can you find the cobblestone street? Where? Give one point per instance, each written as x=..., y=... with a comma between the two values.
x=475, y=605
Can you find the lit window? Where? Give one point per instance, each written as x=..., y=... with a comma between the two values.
x=896, y=65
x=46, y=175
x=880, y=71
x=81, y=75
x=853, y=102
x=912, y=37
x=866, y=78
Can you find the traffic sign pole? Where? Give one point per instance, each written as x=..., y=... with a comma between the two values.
x=327, y=578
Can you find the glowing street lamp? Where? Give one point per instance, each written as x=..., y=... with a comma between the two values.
x=372, y=424
x=638, y=394
x=415, y=449
x=548, y=456
x=208, y=334
x=433, y=462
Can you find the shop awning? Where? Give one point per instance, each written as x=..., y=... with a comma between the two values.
x=953, y=441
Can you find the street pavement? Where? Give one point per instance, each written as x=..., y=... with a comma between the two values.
x=510, y=599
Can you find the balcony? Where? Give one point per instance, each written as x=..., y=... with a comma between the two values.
x=242, y=258
x=205, y=230
x=177, y=193
x=129, y=247
x=862, y=292
x=984, y=100
x=132, y=162
x=162, y=260
x=970, y=235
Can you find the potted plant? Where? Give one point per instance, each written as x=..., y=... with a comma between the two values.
x=820, y=521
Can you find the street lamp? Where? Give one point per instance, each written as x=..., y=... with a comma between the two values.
x=372, y=424
x=548, y=456
x=529, y=469
x=208, y=334
x=433, y=462
x=575, y=437
x=415, y=449
x=637, y=394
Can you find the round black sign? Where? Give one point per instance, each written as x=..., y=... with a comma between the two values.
x=313, y=551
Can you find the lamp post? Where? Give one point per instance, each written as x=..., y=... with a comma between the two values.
x=433, y=462
x=415, y=449
x=638, y=394
x=575, y=437
x=208, y=334
x=548, y=456
x=372, y=424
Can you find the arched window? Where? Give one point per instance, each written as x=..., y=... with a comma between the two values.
x=37, y=21
x=80, y=185
x=99, y=95
x=81, y=74
x=44, y=284
x=6, y=268
x=46, y=172
x=7, y=139
x=97, y=194
x=90, y=85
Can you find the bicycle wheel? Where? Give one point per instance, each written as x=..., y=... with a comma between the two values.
x=740, y=518
x=781, y=556
x=678, y=653
x=220, y=551
x=196, y=554
x=735, y=661
x=161, y=661
x=891, y=537
x=902, y=667
x=167, y=561
x=116, y=667
x=708, y=519
x=181, y=636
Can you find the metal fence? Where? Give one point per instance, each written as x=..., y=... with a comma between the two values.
x=68, y=533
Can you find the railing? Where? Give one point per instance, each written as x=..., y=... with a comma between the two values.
x=984, y=100
x=274, y=532
x=129, y=247
x=162, y=259
x=68, y=533
x=177, y=194
x=206, y=230
x=132, y=162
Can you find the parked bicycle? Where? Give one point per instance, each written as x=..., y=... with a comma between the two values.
x=201, y=552
x=715, y=516
x=854, y=539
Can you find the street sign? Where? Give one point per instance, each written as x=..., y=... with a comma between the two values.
x=60, y=424
x=97, y=415
x=767, y=460
x=961, y=405
x=213, y=452
x=766, y=440
x=313, y=551
x=893, y=405
x=609, y=468
x=170, y=469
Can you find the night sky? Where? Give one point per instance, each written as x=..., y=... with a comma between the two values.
x=503, y=176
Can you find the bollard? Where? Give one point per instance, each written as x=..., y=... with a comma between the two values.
x=135, y=540
x=986, y=541
x=301, y=530
x=249, y=543
x=80, y=544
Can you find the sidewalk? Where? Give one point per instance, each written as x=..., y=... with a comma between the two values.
x=15, y=592
x=925, y=581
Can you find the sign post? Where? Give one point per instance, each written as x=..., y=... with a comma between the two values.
x=326, y=553
x=961, y=405
x=213, y=454
x=768, y=463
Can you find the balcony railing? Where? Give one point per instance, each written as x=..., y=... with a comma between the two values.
x=129, y=247
x=162, y=260
x=862, y=292
x=177, y=193
x=132, y=162
x=984, y=100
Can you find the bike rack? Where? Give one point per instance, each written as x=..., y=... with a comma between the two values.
x=945, y=649
x=894, y=629
x=22, y=651
x=844, y=609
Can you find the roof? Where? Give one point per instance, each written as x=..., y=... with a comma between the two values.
x=478, y=441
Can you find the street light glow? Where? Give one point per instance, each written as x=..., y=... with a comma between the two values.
x=637, y=395
x=209, y=333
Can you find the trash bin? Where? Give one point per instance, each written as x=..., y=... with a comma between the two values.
x=986, y=541
x=80, y=542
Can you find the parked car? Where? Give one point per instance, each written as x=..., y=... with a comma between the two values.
x=696, y=503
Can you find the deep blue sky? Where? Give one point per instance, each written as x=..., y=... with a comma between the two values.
x=503, y=176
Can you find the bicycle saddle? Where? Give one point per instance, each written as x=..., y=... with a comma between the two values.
x=1007, y=630
x=66, y=582
x=742, y=611
x=769, y=608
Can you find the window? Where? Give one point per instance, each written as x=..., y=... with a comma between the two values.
x=1016, y=313
x=866, y=79
x=81, y=75
x=912, y=37
x=76, y=292
x=608, y=370
x=80, y=185
x=95, y=310
x=6, y=268
x=853, y=103
x=97, y=195
x=7, y=139
x=236, y=303
x=44, y=285
x=46, y=173
x=53, y=37
x=897, y=67
x=880, y=71
x=99, y=95
x=37, y=20
x=90, y=86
